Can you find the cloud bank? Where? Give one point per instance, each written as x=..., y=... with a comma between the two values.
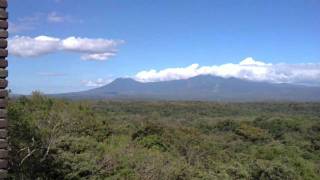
x=90, y=49
x=248, y=69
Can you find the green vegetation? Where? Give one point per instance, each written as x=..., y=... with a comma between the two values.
x=59, y=139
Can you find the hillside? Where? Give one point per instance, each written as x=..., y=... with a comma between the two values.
x=202, y=88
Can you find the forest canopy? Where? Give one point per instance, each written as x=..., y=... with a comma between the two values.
x=60, y=139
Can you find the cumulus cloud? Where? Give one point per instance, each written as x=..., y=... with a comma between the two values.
x=96, y=83
x=248, y=69
x=31, y=47
x=90, y=49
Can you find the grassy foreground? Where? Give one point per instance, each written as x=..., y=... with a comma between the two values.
x=57, y=139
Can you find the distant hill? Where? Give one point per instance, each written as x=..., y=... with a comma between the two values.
x=199, y=88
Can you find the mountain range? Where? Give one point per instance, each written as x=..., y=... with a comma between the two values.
x=199, y=88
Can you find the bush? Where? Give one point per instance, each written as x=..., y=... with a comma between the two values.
x=266, y=170
x=252, y=133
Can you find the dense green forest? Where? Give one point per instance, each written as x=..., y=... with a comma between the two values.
x=60, y=139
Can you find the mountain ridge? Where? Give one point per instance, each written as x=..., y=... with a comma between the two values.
x=199, y=88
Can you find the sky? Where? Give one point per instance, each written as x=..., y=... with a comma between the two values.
x=60, y=46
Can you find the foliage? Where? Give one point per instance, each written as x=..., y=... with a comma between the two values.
x=60, y=139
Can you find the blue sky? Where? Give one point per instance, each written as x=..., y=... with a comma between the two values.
x=167, y=36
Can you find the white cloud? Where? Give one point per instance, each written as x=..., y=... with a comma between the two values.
x=24, y=46
x=56, y=18
x=90, y=45
x=248, y=69
x=91, y=49
x=98, y=56
x=96, y=83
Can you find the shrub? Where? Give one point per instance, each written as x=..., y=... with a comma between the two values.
x=251, y=133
